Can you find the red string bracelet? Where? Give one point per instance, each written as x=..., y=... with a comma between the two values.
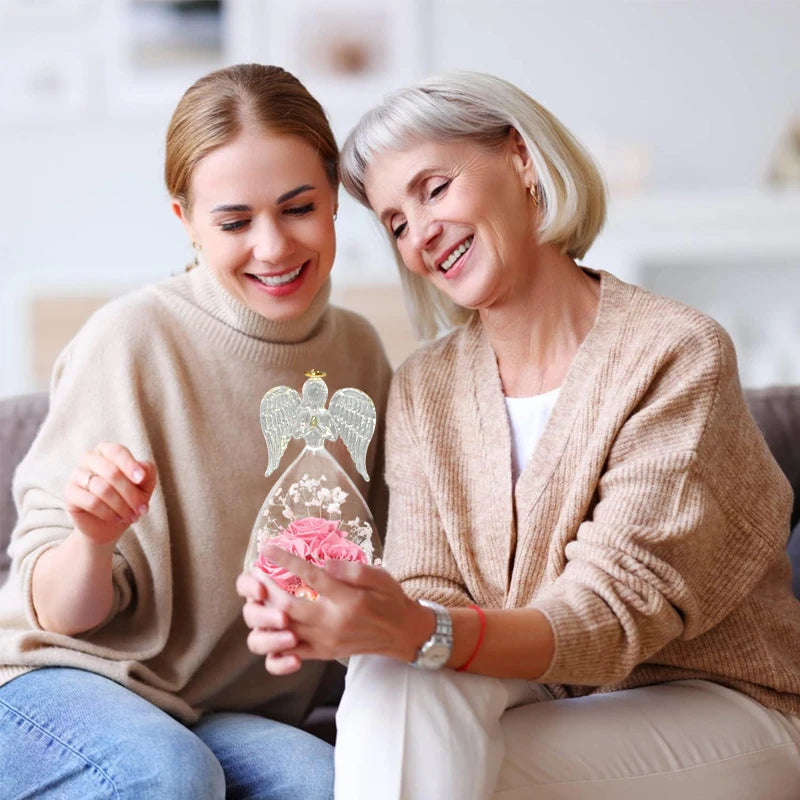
x=482, y=618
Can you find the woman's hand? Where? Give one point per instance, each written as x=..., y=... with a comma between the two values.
x=72, y=586
x=360, y=609
x=108, y=492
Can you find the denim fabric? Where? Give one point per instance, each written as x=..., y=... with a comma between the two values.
x=67, y=733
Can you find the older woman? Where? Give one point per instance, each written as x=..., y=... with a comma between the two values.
x=586, y=531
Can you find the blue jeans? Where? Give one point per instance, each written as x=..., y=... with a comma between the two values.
x=67, y=733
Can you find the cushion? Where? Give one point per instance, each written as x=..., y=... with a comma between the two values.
x=20, y=418
x=776, y=410
x=794, y=554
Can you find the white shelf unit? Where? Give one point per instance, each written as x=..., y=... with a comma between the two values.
x=735, y=256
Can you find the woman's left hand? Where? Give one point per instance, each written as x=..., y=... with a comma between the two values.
x=360, y=609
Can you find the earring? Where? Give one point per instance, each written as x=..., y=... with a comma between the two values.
x=534, y=190
x=335, y=215
x=196, y=247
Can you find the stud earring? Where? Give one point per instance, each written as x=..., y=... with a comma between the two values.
x=534, y=190
x=335, y=215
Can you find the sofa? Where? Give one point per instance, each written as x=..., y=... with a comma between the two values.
x=776, y=410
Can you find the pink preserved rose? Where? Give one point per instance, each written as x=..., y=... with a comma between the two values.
x=311, y=527
x=334, y=545
x=314, y=539
x=285, y=579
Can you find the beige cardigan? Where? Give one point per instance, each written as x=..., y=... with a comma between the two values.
x=649, y=526
x=176, y=372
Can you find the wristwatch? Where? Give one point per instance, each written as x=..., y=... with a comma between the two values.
x=435, y=651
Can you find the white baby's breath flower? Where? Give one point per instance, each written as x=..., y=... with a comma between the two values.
x=369, y=551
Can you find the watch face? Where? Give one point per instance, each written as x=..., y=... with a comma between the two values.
x=434, y=655
x=438, y=654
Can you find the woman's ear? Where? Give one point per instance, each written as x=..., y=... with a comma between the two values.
x=180, y=212
x=521, y=158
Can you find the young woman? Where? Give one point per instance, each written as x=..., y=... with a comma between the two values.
x=124, y=664
x=580, y=501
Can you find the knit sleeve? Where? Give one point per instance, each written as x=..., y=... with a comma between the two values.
x=417, y=552
x=690, y=512
x=96, y=396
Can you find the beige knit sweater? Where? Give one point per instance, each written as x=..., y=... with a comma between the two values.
x=649, y=526
x=176, y=372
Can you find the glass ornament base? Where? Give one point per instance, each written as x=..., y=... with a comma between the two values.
x=315, y=511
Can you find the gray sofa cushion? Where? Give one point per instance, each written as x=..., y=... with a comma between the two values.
x=776, y=411
x=794, y=553
x=20, y=418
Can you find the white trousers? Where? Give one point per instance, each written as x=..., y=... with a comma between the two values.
x=407, y=734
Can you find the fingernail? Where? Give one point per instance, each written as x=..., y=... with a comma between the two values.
x=138, y=475
x=142, y=509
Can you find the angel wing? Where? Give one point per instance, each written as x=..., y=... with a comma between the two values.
x=354, y=415
x=279, y=408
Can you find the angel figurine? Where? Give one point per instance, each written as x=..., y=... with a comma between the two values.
x=314, y=510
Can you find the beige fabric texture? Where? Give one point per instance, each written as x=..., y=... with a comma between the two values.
x=176, y=372
x=649, y=526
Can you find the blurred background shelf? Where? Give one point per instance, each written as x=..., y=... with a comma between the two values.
x=734, y=255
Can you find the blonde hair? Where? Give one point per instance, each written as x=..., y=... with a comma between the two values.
x=483, y=109
x=217, y=107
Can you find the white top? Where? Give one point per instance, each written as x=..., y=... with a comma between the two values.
x=527, y=416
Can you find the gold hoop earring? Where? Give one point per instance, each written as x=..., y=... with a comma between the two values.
x=534, y=190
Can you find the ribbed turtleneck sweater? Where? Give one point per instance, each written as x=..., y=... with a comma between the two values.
x=649, y=525
x=176, y=372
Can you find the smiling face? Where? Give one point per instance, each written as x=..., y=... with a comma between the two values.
x=461, y=215
x=262, y=211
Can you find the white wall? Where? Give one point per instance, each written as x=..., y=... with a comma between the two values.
x=706, y=85
x=680, y=100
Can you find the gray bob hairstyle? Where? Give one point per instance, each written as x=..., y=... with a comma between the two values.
x=482, y=109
